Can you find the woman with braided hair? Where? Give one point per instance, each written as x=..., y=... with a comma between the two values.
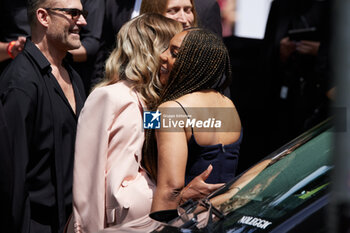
x=195, y=60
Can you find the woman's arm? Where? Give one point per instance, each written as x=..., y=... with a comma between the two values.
x=171, y=175
x=172, y=158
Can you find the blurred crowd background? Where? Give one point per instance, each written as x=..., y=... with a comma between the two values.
x=281, y=83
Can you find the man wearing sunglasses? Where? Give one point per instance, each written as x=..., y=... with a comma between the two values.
x=42, y=97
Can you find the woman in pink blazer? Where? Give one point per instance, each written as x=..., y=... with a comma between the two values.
x=110, y=187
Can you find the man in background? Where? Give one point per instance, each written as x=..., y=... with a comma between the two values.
x=42, y=97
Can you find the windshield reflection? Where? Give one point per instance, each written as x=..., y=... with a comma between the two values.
x=275, y=186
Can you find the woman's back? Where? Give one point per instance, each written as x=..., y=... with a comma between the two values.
x=213, y=133
x=210, y=104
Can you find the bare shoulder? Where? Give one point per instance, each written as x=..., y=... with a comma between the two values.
x=227, y=101
x=170, y=108
x=169, y=104
x=206, y=98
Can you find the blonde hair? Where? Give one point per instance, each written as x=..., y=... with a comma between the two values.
x=136, y=56
x=160, y=7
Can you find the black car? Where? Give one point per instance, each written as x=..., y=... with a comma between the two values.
x=286, y=192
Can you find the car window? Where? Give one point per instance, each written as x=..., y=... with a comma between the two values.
x=282, y=186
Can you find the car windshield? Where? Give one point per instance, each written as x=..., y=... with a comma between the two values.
x=280, y=185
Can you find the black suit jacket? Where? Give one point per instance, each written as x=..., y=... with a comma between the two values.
x=209, y=15
x=117, y=13
x=90, y=36
x=294, y=14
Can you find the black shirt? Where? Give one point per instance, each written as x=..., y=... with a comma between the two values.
x=42, y=128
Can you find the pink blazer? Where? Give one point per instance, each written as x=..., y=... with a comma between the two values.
x=109, y=186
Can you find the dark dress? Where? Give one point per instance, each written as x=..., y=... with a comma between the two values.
x=223, y=158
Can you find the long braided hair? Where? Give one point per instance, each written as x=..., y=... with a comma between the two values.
x=201, y=63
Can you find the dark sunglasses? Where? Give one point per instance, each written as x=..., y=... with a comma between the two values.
x=74, y=12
